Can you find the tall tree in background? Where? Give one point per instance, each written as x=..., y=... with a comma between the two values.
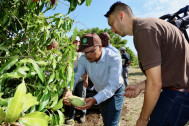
x=115, y=40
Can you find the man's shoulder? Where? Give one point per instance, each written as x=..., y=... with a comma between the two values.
x=109, y=52
x=82, y=57
x=111, y=55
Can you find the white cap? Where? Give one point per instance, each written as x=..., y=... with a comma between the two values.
x=122, y=48
x=77, y=38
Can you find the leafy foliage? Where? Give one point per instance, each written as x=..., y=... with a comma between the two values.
x=18, y=104
x=24, y=36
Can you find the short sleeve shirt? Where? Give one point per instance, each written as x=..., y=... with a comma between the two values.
x=160, y=43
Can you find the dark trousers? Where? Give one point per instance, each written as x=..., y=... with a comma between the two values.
x=172, y=109
x=125, y=71
x=111, y=108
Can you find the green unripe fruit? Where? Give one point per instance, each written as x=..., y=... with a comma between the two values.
x=76, y=101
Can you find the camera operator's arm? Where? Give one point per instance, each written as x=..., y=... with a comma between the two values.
x=166, y=16
x=169, y=17
x=183, y=10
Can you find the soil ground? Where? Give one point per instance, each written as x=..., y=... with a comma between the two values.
x=131, y=108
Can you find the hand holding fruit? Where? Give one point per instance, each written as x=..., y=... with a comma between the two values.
x=65, y=97
x=89, y=102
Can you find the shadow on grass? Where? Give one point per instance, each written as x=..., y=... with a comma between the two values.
x=136, y=74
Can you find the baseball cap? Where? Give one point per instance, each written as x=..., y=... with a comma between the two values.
x=77, y=38
x=122, y=48
x=88, y=42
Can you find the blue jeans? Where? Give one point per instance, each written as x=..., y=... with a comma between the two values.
x=172, y=109
x=111, y=108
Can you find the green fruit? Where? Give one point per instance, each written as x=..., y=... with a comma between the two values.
x=76, y=101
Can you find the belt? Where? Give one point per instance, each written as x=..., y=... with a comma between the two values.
x=180, y=90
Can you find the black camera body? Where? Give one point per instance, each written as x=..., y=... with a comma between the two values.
x=181, y=23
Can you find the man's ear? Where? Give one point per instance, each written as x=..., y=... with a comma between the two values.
x=121, y=14
x=100, y=47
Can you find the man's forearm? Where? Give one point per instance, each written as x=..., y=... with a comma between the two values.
x=151, y=96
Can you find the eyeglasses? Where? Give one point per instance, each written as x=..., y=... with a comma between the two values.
x=91, y=51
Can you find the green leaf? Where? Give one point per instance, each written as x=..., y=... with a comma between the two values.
x=44, y=100
x=88, y=2
x=29, y=101
x=4, y=102
x=41, y=63
x=15, y=107
x=80, y=2
x=2, y=115
x=33, y=109
x=9, y=64
x=36, y=68
x=11, y=75
x=73, y=5
x=56, y=118
x=51, y=78
x=22, y=71
x=59, y=105
x=54, y=99
x=72, y=82
x=57, y=75
x=35, y=119
x=74, y=33
x=52, y=119
x=4, y=49
x=61, y=117
x=69, y=73
x=54, y=63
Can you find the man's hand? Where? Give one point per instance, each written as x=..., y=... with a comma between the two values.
x=68, y=93
x=132, y=91
x=141, y=122
x=85, y=83
x=89, y=102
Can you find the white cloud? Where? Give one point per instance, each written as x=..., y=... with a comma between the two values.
x=157, y=8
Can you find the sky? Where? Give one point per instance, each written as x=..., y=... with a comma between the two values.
x=93, y=16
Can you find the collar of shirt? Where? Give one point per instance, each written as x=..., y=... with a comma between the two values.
x=103, y=57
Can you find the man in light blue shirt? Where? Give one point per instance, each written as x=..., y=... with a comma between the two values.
x=104, y=69
x=105, y=38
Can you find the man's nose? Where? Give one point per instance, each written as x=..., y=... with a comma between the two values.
x=87, y=55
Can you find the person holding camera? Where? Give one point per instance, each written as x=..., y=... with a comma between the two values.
x=158, y=43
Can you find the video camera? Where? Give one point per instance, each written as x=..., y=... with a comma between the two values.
x=180, y=22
